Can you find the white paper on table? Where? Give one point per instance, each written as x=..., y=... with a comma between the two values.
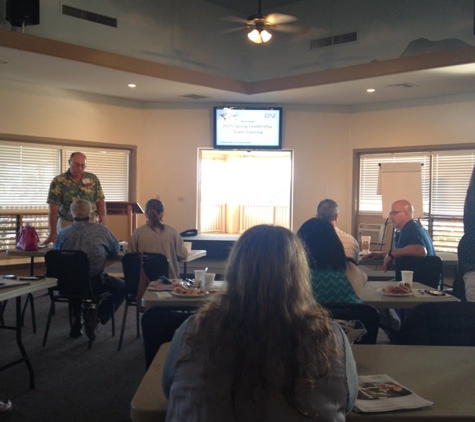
x=381, y=393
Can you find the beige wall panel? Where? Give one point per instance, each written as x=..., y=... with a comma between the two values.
x=168, y=139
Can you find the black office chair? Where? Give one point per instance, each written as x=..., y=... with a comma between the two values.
x=154, y=265
x=71, y=268
x=428, y=270
x=368, y=315
x=439, y=324
x=158, y=326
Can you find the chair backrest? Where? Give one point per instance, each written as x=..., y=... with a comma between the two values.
x=154, y=264
x=439, y=324
x=428, y=270
x=367, y=314
x=158, y=327
x=71, y=268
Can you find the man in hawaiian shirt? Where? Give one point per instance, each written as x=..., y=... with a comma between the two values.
x=68, y=187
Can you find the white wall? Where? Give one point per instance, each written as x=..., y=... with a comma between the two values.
x=41, y=111
x=432, y=121
x=168, y=138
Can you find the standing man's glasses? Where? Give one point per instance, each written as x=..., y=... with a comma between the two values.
x=79, y=166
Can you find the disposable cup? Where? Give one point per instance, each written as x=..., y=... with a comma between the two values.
x=209, y=281
x=365, y=244
x=188, y=246
x=407, y=277
x=199, y=278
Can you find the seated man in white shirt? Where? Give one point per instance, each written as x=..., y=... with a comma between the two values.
x=328, y=210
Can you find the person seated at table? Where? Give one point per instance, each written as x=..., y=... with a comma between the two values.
x=328, y=210
x=334, y=278
x=157, y=237
x=410, y=239
x=263, y=349
x=99, y=244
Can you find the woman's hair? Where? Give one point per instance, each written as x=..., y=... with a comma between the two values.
x=267, y=319
x=322, y=244
x=153, y=210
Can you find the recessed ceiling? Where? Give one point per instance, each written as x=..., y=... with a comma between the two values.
x=248, y=7
x=39, y=69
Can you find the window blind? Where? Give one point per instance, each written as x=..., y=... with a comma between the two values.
x=26, y=171
x=25, y=174
x=109, y=165
x=445, y=179
x=369, y=198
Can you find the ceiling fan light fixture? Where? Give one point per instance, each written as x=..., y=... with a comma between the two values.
x=259, y=36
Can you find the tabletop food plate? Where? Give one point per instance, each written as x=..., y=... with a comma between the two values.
x=190, y=296
x=384, y=293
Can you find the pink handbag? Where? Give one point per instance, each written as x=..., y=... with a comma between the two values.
x=27, y=239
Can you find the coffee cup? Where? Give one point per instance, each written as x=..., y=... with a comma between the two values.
x=188, y=246
x=407, y=277
x=209, y=281
x=365, y=244
x=199, y=278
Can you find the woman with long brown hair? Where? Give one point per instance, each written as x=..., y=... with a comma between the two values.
x=263, y=350
x=157, y=237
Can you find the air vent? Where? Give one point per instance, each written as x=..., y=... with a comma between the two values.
x=402, y=85
x=194, y=97
x=89, y=16
x=336, y=39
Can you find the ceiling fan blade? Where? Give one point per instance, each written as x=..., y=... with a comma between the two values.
x=234, y=19
x=278, y=18
x=291, y=29
x=231, y=30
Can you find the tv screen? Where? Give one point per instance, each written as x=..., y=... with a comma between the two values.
x=247, y=128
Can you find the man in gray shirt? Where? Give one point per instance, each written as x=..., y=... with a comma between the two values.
x=99, y=243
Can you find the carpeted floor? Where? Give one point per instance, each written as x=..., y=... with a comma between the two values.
x=73, y=384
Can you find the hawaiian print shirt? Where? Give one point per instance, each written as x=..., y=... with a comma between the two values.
x=63, y=191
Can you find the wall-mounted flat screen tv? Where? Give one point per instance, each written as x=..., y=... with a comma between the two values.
x=247, y=128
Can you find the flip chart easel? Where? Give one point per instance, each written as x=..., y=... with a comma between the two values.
x=401, y=181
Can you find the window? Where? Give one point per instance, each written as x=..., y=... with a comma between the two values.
x=26, y=171
x=445, y=179
x=240, y=189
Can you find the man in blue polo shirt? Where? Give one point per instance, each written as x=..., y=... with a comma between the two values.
x=411, y=239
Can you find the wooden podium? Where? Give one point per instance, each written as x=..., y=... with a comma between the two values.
x=129, y=209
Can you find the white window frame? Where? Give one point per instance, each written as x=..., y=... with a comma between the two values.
x=446, y=173
x=28, y=164
x=224, y=209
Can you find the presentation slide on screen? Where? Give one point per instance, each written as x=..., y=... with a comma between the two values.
x=247, y=127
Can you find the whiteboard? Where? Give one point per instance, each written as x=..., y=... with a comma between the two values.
x=401, y=181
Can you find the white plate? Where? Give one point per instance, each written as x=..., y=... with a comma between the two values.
x=394, y=294
x=185, y=296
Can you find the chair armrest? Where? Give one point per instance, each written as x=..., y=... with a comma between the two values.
x=149, y=403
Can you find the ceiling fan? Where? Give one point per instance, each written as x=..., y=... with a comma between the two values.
x=259, y=25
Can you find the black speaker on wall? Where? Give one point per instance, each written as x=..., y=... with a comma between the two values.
x=23, y=12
